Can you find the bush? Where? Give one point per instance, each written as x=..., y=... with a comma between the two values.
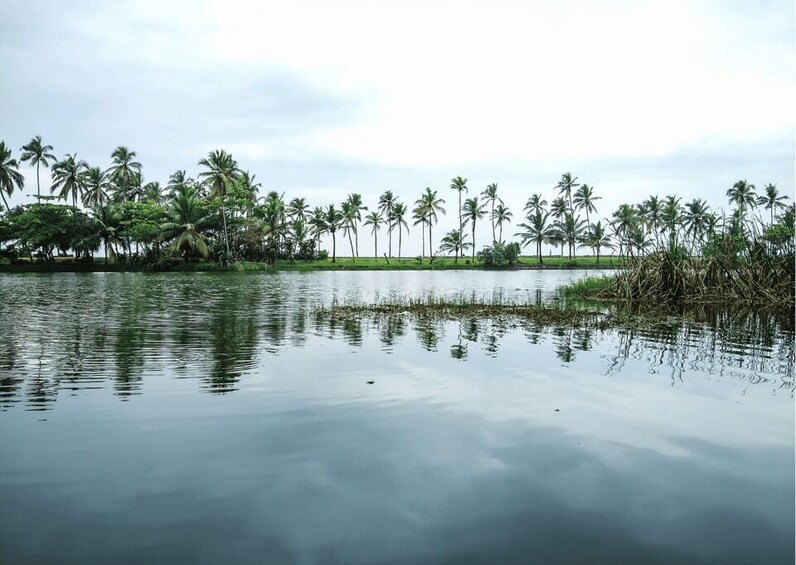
x=500, y=255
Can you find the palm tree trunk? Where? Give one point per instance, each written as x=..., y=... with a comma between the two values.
x=492, y=218
x=5, y=201
x=430, y=254
x=38, y=185
x=399, y=241
x=375, y=243
x=473, y=239
x=334, y=248
x=224, y=223
x=356, y=239
x=351, y=243
x=423, y=243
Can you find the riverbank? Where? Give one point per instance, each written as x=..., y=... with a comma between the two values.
x=68, y=265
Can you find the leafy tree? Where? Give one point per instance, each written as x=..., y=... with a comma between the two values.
x=221, y=174
x=375, y=221
x=536, y=230
x=46, y=227
x=124, y=171
x=499, y=254
x=453, y=242
x=68, y=177
x=9, y=174
x=37, y=154
x=472, y=212
x=188, y=218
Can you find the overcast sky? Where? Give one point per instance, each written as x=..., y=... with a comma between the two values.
x=320, y=99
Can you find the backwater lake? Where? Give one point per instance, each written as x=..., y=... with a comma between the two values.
x=218, y=418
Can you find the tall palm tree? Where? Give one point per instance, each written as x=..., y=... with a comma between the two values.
x=454, y=242
x=222, y=172
x=536, y=230
x=671, y=217
x=420, y=217
x=349, y=212
x=570, y=229
x=431, y=205
x=318, y=223
x=153, y=192
x=375, y=221
x=490, y=195
x=249, y=188
x=535, y=204
x=332, y=221
x=358, y=207
x=742, y=194
x=696, y=218
x=398, y=220
x=68, y=177
x=565, y=187
x=625, y=219
x=95, y=187
x=298, y=209
x=123, y=171
x=107, y=216
x=772, y=200
x=459, y=184
x=177, y=181
x=584, y=200
x=558, y=208
x=650, y=213
x=472, y=212
x=9, y=174
x=386, y=205
x=37, y=154
x=500, y=215
x=187, y=220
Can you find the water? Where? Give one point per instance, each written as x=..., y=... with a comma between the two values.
x=207, y=418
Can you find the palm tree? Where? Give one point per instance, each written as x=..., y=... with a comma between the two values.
x=68, y=177
x=472, y=212
x=37, y=154
x=349, y=212
x=558, y=209
x=742, y=194
x=298, y=209
x=536, y=230
x=772, y=200
x=152, y=192
x=671, y=217
x=177, y=181
x=249, y=188
x=500, y=215
x=584, y=200
x=123, y=171
x=570, y=229
x=107, y=216
x=650, y=214
x=625, y=219
x=318, y=222
x=332, y=221
x=565, y=187
x=95, y=187
x=696, y=219
x=453, y=242
x=221, y=173
x=490, y=195
x=187, y=221
x=597, y=237
x=386, y=205
x=459, y=185
x=9, y=174
x=355, y=201
x=374, y=220
x=398, y=221
x=535, y=204
x=420, y=217
x=273, y=221
x=430, y=205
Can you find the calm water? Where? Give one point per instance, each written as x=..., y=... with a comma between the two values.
x=206, y=418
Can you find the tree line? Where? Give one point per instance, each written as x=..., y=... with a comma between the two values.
x=218, y=214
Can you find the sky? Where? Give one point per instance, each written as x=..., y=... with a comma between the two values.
x=322, y=99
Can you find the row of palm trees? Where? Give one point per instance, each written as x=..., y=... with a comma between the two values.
x=283, y=228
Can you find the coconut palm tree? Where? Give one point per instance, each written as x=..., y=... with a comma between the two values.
x=671, y=217
x=598, y=237
x=536, y=230
x=153, y=192
x=332, y=221
x=772, y=200
x=398, y=220
x=375, y=221
x=500, y=215
x=177, y=181
x=490, y=195
x=349, y=212
x=650, y=215
x=188, y=219
x=10, y=176
x=249, y=189
x=742, y=194
x=123, y=171
x=565, y=188
x=222, y=172
x=625, y=218
x=357, y=206
x=386, y=205
x=459, y=185
x=68, y=177
x=570, y=229
x=584, y=200
x=558, y=209
x=696, y=220
x=298, y=209
x=37, y=154
x=95, y=187
x=472, y=212
x=453, y=242
x=107, y=217
x=535, y=204
x=420, y=217
x=431, y=205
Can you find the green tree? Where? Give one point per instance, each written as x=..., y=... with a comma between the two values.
x=68, y=178
x=221, y=173
x=584, y=200
x=386, y=204
x=772, y=200
x=107, y=217
x=501, y=215
x=597, y=237
x=9, y=174
x=490, y=195
x=453, y=242
x=398, y=220
x=95, y=187
x=536, y=229
x=459, y=184
x=188, y=218
x=332, y=221
x=565, y=188
x=357, y=207
x=431, y=205
x=124, y=172
x=472, y=212
x=298, y=209
x=742, y=194
x=375, y=221
x=349, y=211
x=37, y=154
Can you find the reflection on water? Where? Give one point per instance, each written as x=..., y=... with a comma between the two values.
x=106, y=330
x=383, y=438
